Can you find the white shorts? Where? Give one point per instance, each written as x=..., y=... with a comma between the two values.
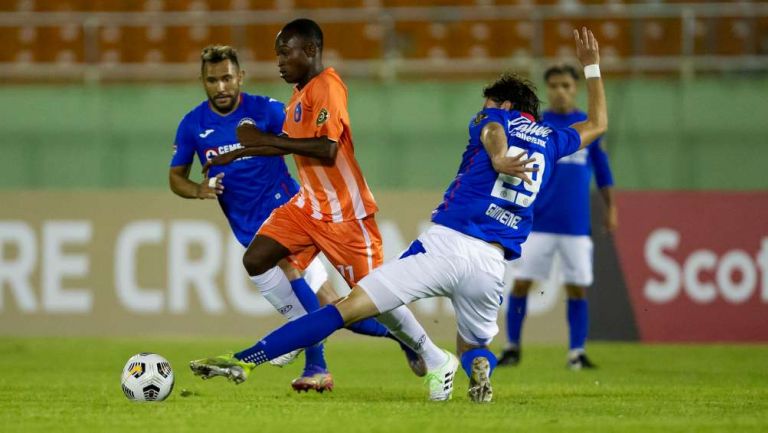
x=539, y=252
x=315, y=275
x=444, y=262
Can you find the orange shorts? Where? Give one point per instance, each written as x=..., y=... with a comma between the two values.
x=353, y=247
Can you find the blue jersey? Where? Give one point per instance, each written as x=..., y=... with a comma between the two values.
x=253, y=186
x=496, y=207
x=563, y=207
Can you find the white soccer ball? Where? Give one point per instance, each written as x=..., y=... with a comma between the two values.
x=147, y=377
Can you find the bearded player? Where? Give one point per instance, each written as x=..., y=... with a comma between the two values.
x=562, y=226
x=334, y=210
x=255, y=186
x=485, y=216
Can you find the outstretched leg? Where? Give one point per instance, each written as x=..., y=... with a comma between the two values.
x=292, y=298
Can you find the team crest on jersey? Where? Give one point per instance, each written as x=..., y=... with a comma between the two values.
x=246, y=121
x=480, y=117
x=210, y=154
x=322, y=117
x=297, y=113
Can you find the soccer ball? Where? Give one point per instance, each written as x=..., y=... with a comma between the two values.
x=147, y=377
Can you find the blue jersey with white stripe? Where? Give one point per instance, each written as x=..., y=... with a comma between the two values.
x=564, y=206
x=495, y=207
x=253, y=186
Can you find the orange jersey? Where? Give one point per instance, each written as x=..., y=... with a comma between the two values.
x=329, y=192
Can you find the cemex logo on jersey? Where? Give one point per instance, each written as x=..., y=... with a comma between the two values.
x=213, y=152
x=696, y=264
x=528, y=130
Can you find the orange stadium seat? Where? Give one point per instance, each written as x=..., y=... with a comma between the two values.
x=142, y=44
x=660, y=37
x=12, y=44
x=510, y=38
x=354, y=41
x=415, y=40
x=260, y=41
x=558, y=37
x=61, y=5
x=462, y=40
x=59, y=44
x=315, y=4
x=115, y=5
x=397, y=3
x=761, y=36
x=733, y=37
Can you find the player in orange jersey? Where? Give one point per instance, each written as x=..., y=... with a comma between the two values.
x=334, y=209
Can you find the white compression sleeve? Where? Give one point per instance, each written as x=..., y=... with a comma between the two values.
x=403, y=325
x=276, y=288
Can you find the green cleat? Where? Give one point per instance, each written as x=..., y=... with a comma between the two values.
x=440, y=380
x=225, y=365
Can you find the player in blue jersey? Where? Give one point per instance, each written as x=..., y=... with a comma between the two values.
x=485, y=216
x=562, y=225
x=255, y=186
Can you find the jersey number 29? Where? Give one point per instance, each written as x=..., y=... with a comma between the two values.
x=527, y=195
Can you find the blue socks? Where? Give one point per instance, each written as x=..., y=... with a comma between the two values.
x=578, y=322
x=315, y=355
x=305, y=331
x=305, y=294
x=468, y=356
x=516, y=311
x=370, y=327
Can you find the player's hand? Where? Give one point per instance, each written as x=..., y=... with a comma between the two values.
x=516, y=166
x=587, y=49
x=223, y=159
x=211, y=188
x=611, y=219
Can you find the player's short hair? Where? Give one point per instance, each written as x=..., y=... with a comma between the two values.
x=562, y=69
x=216, y=54
x=512, y=87
x=306, y=29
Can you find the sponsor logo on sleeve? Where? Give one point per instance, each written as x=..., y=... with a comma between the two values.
x=322, y=117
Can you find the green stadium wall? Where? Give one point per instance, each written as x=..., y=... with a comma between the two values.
x=699, y=135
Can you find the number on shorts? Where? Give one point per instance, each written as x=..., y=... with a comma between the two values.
x=520, y=198
x=346, y=271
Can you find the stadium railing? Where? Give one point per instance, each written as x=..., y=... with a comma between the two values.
x=389, y=42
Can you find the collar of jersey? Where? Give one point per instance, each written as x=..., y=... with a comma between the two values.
x=524, y=114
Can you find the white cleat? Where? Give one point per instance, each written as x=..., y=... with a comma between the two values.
x=440, y=380
x=480, y=390
x=288, y=358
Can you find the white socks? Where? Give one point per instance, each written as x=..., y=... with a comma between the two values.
x=276, y=288
x=403, y=325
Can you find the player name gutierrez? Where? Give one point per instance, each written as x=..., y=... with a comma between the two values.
x=503, y=216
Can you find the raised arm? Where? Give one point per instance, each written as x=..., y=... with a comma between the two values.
x=494, y=139
x=320, y=147
x=588, y=53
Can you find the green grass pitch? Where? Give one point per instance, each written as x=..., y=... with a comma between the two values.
x=72, y=385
